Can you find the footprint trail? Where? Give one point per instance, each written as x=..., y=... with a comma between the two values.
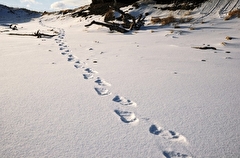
x=125, y=112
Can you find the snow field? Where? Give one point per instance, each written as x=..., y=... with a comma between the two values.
x=91, y=93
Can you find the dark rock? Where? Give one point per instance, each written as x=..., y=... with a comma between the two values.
x=100, y=7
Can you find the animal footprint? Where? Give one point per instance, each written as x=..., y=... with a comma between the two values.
x=70, y=57
x=173, y=154
x=89, y=70
x=102, y=91
x=167, y=134
x=155, y=130
x=66, y=52
x=102, y=82
x=63, y=53
x=79, y=64
x=88, y=76
x=126, y=116
x=57, y=40
x=124, y=101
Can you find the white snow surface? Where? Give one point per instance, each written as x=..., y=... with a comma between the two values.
x=90, y=93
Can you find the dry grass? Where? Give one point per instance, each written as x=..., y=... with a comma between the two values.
x=233, y=14
x=152, y=31
x=229, y=38
x=187, y=13
x=155, y=20
x=191, y=28
x=66, y=11
x=163, y=21
x=46, y=13
x=185, y=19
x=168, y=20
x=224, y=43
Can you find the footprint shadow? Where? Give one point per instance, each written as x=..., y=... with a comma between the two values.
x=124, y=101
x=126, y=116
x=167, y=134
x=155, y=130
x=172, y=154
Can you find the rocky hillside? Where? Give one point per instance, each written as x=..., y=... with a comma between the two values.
x=102, y=6
x=157, y=1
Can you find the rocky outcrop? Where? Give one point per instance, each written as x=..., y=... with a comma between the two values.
x=157, y=1
x=109, y=1
x=100, y=7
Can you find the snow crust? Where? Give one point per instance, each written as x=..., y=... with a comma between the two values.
x=90, y=93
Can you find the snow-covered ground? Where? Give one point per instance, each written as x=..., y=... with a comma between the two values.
x=90, y=93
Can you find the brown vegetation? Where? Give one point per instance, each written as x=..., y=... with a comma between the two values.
x=155, y=20
x=185, y=19
x=187, y=13
x=191, y=28
x=109, y=16
x=229, y=38
x=233, y=14
x=168, y=20
x=224, y=43
x=66, y=11
x=46, y=13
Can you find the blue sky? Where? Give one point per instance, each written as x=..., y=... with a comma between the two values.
x=45, y=5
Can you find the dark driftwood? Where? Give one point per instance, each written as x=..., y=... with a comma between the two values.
x=112, y=27
x=13, y=27
x=21, y=34
x=129, y=22
x=38, y=34
x=207, y=47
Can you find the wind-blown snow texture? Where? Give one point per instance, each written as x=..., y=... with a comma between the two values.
x=90, y=93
